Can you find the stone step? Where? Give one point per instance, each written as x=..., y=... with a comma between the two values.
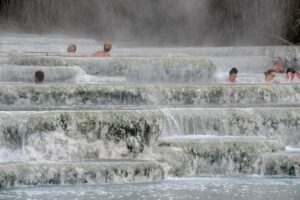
x=12, y=43
x=171, y=95
x=226, y=156
x=65, y=173
x=23, y=43
x=74, y=74
x=4, y=60
x=53, y=74
x=157, y=66
x=270, y=51
x=26, y=73
x=282, y=164
x=282, y=122
x=259, y=64
x=159, y=69
x=76, y=135
x=61, y=135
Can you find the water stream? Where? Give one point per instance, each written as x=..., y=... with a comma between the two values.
x=145, y=123
x=204, y=188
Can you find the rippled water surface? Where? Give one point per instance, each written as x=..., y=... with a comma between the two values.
x=214, y=188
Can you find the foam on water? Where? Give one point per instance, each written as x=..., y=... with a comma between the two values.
x=292, y=149
x=10, y=155
x=208, y=138
x=47, y=43
x=204, y=188
x=83, y=77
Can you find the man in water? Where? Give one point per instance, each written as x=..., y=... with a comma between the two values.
x=298, y=74
x=39, y=77
x=290, y=75
x=270, y=75
x=72, y=48
x=233, y=75
x=105, y=52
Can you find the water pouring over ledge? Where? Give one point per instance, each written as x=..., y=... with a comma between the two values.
x=132, y=132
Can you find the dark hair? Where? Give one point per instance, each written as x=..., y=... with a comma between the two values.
x=39, y=76
x=233, y=71
x=74, y=46
x=269, y=71
x=292, y=70
x=107, y=44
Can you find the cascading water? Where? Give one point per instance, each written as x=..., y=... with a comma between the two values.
x=144, y=115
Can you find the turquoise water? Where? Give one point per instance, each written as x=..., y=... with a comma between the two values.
x=203, y=188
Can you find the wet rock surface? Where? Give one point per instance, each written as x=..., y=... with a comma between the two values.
x=66, y=173
x=104, y=120
x=212, y=156
x=282, y=163
x=158, y=95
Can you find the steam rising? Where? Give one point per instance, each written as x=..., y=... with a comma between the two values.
x=159, y=22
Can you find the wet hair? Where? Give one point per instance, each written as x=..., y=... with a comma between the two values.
x=39, y=76
x=269, y=71
x=233, y=71
x=73, y=46
x=105, y=44
x=292, y=70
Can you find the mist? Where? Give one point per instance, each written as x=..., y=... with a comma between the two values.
x=159, y=22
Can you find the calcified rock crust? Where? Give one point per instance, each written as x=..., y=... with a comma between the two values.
x=26, y=73
x=282, y=123
x=242, y=156
x=282, y=163
x=204, y=95
x=79, y=135
x=75, y=135
x=50, y=173
x=158, y=69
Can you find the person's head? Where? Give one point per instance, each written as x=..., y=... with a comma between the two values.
x=298, y=74
x=278, y=65
x=277, y=61
x=233, y=75
x=290, y=74
x=72, y=48
x=107, y=47
x=39, y=77
x=270, y=75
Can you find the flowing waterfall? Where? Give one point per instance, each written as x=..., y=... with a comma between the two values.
x=143, y=115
